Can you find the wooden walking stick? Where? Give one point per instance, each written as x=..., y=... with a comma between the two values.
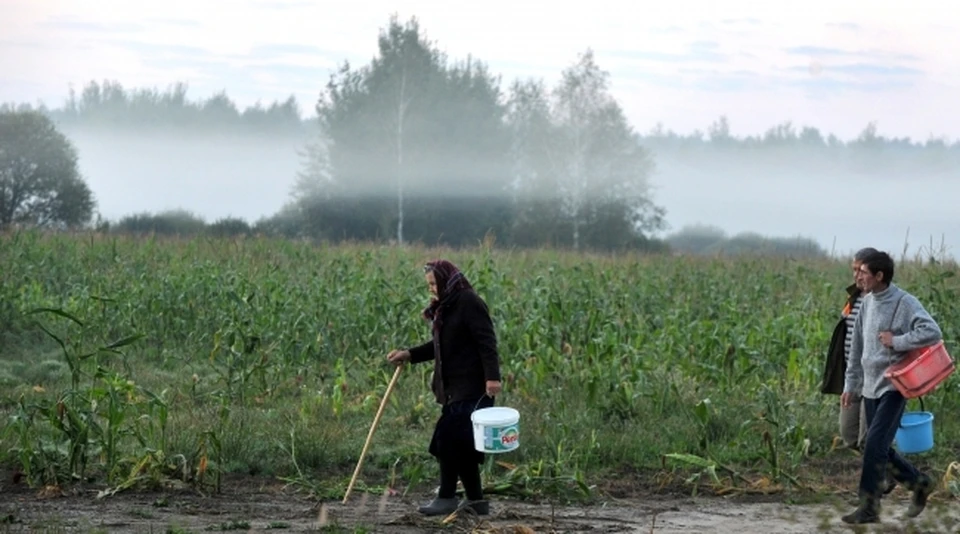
x=383, y=404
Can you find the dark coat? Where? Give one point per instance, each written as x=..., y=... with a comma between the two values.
x=835, y=368
x=468, y=350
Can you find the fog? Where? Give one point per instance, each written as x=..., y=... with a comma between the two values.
x=841, y=211
x=251, y=177
x=212, y=176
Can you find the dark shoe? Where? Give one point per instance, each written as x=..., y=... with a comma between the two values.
x=861, y=516
x=867, y=512
x=919, y=499
x=440, y=506
x=477, y=507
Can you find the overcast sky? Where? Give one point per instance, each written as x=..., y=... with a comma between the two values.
x=759, y=63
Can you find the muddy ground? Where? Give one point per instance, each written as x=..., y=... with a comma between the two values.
x=259, y=505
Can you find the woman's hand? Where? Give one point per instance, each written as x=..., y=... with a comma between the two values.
x=493, y=388
x=397, y=357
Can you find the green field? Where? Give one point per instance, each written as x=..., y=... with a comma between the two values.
x=131, y=363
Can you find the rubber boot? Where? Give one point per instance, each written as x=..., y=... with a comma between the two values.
x=867, y=512
x=918, y=501
x=440, y=506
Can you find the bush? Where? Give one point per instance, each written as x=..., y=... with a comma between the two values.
x=229, y=227
x=174, y=222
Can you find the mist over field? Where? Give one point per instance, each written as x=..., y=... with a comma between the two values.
x=842, y=210
x=213, y=176
x=250, y=176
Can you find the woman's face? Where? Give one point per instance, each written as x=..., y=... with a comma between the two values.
x=431, y=282
x=856, y=272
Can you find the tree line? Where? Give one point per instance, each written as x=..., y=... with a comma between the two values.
x=692, y=240
x=109, y=105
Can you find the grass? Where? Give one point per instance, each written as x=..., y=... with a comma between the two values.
x=129, y=363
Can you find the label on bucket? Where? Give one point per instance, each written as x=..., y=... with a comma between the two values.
x=501, y=438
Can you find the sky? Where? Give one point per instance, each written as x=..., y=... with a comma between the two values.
x=836, y=66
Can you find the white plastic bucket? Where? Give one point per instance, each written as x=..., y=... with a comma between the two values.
x=496, y=430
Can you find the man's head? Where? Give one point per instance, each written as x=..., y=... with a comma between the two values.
x=858, y=258
x=876, y=272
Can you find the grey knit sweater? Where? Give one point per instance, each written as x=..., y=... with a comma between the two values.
x=912, y=328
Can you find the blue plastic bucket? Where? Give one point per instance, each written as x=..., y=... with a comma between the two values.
x=915, y=433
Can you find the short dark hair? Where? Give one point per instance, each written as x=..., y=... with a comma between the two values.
x=863, y=253
x=880, y=262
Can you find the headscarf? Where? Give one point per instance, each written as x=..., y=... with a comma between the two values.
x=450, y=282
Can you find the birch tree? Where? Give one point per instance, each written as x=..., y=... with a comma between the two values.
x=411, y=130
x=596, y=162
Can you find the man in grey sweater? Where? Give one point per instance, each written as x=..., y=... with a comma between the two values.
x=891, y=323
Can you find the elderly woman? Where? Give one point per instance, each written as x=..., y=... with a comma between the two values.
x=466, y=377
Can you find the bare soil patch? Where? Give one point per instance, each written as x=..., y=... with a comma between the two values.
x=260, y=505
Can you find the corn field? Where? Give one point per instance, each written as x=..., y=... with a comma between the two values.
x=139, y=362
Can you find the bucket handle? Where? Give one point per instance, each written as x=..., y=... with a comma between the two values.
x=922, y=409
x=479, y=401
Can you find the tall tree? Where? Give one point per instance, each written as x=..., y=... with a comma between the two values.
x=39, y=181
x=406, y=73
x=538, y=219
x=719, y=132
x=595, y=166
x=369, y=116
x=410, y=128
x=528, y=117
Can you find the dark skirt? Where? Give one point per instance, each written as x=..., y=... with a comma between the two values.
x=453, y=435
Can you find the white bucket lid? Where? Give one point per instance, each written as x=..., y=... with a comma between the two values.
x=498, y=415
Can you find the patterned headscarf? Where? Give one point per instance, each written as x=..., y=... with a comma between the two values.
x=450, y=281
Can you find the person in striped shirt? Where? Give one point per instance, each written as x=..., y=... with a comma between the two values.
x=853, y=426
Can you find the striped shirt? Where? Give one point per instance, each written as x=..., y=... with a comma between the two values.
x=851, y=319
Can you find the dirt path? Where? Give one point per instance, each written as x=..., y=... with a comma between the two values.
x=265, y=506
